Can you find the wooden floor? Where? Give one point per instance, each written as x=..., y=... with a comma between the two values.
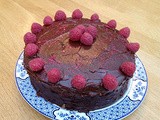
x=16, y=17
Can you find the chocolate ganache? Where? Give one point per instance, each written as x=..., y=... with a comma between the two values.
x=108, y=51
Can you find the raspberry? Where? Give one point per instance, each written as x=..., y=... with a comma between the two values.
x=81, y=27
x=78, y=82
x=29, y=38
x=36, y=64
x=54, y=75
x=110, y=82
x=95, y=17
x=86, y=39
x=31, y=49
x=36, y=28
x=75, y=34
x=47, y=20
x=77, y=14
x=60, y=15
x=92, y=30
x=112, y=24
x=133, y=47
x=128, y=68
x=125, y=32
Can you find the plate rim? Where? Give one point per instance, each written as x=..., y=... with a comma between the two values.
x=122, y=117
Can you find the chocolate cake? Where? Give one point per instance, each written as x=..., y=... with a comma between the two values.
x=78, y=63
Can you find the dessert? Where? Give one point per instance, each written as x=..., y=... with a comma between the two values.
x=78, y=63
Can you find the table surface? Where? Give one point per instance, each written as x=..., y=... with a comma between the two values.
x=16, y=17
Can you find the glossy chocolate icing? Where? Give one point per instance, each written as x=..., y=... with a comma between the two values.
x=105, y=56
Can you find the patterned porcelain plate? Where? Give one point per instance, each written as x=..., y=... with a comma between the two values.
x=119, y=110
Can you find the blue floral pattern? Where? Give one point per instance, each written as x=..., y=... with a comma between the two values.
x=122, y=108
x=138, y=90
x=63, y=114
x=20, y=70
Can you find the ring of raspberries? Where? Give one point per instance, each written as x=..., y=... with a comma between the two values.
x=84, y=34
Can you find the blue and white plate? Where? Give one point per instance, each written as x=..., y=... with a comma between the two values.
x=119, y=110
